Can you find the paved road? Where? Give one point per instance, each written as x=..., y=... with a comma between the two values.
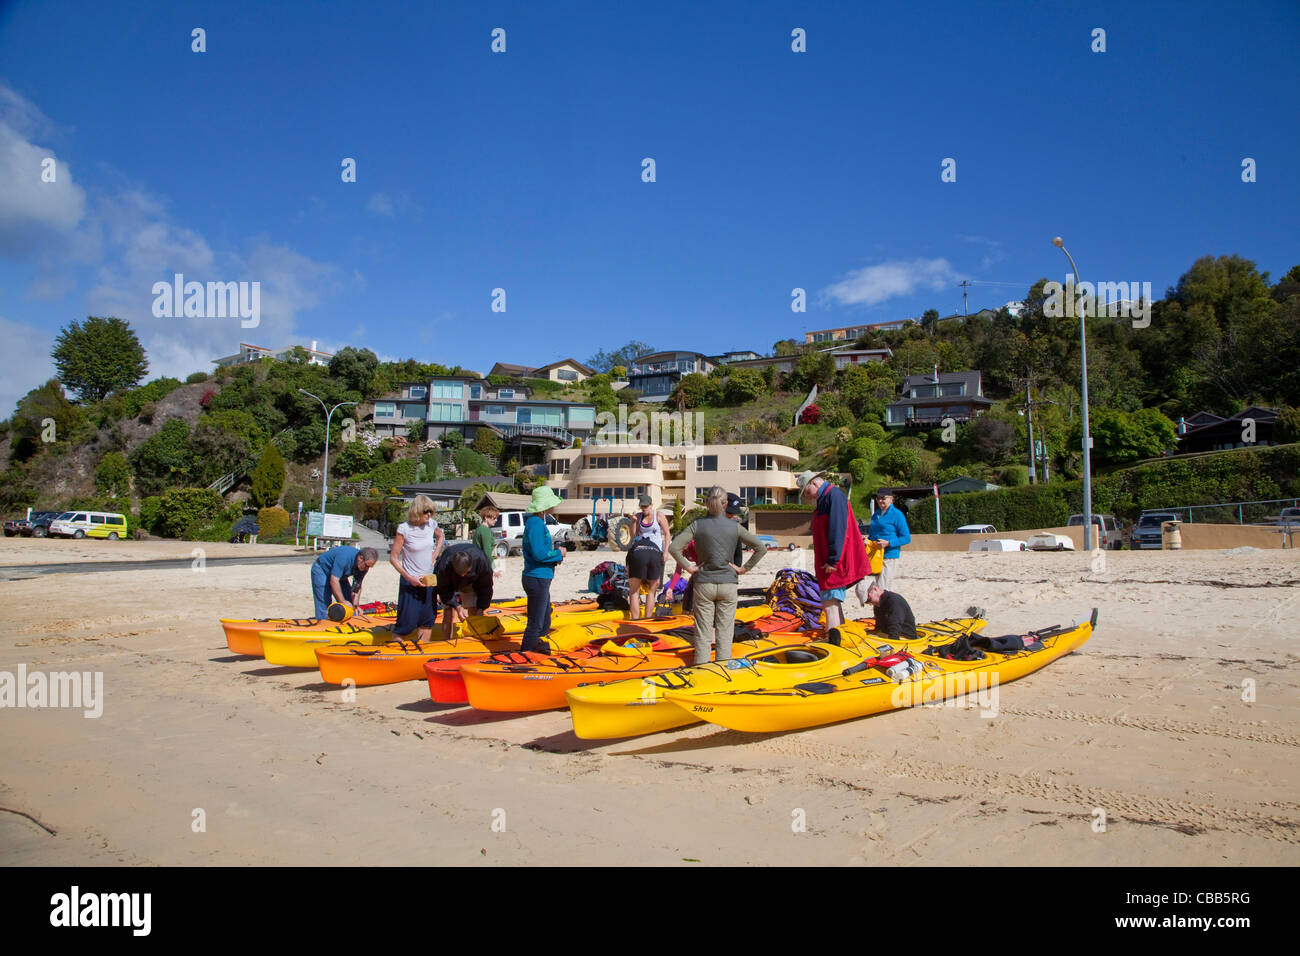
x=21, y=571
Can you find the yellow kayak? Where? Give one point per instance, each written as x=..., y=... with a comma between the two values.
x=872, y=690
x=497, y=625
x=636, y=706
x=298, y=648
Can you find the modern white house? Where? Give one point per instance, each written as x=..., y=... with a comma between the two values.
x=252, y=353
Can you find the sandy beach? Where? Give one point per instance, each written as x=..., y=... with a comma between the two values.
x=1146, y=723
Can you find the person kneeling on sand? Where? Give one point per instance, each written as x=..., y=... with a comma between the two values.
x=541, y=557
x=894, y=618
x=464, y=584
x=337, y=574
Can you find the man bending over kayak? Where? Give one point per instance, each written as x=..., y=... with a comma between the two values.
x=464, y=576
x=894, y=618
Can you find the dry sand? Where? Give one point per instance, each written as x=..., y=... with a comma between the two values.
x=1146, y=722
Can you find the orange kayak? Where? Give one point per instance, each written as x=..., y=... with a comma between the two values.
x=241, y=635
x=401, y=660
x=447, y=684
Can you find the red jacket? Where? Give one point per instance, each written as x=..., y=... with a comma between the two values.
x=837, y=541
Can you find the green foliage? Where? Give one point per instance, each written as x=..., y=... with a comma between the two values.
x=183, y=512
x=354, y=459
x=268, y=477
x=1014, y=476
x=355, y=369
x=544, y=387
x=150, y=392
x=432, y=461
x=992, y=439
x=603, y=397
x=471, y=464
x=744, y=385
x=113, y=474
x=99, y=357
x=812, y=368
x=195, y=377
x=860, y=469
x=1120, y=437
x=150, y=511
x=453, y=440
x=415, y=431
x=392, y=474
x=859, y=448
x=296, y=493
x=872, y=430
x=37, y=411
x=1287, y=427
x=163, y=460
x=839, y=417
x=272, y=522
x=898, y=462
x=489, y=443
x=696, y=391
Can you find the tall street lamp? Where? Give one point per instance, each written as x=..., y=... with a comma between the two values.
x=325, y=475
x=1083, y=407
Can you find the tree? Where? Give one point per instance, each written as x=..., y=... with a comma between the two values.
x=992, y=440
x=453, y=440
x=696, y=391
x=744, y=385
x=44, y=416
x=99, y=357
x=113, y=475
x=813, y=368
x=604, y=361
x=489, y=443
x=268, y=477
x=899, y=462
x=355, y=459
x=355, y=368
x=1119, y=436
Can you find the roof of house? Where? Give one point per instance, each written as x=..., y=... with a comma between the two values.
x=945, y=378
x=517, y=371
x=448, y=486
x=1205, y=420
x=568, y=361
x=504, y=501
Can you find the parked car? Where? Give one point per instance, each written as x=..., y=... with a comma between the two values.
x=1047, y=541
x=89, y=524
x=509, y=533
x=13, y=525
x=976, y=529
x=1148, y=532
x=1289, y=516
x=38, y=525
x=1110, y=534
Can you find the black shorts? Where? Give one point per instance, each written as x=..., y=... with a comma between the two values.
x=645, y=564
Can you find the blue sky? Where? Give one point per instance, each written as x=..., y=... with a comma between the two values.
x=522, y=170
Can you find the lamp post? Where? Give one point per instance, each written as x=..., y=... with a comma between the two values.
x=325, y=475
x=1083, y=407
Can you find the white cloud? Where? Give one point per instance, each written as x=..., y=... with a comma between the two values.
x=381, y=205
x=32, y=212
x=27, y=350
x=872, y=285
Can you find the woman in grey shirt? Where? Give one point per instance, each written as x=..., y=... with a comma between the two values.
x=715, y=579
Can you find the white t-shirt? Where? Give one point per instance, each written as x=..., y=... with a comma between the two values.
x=417, y=548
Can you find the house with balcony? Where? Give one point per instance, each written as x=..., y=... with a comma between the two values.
x=656, y=374
x=847, y=333
x=929, y=399
x=760, y=473
x=1206, y=431
x=465, y=404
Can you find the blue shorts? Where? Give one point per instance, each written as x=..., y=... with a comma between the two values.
x=835, y=594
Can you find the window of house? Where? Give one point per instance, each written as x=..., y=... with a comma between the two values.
x=414, y=411
x=476, y=391
x=417, y=391
x=505, y=393
x=566, y=375
x=756, y=463
x=706, y=463
x=385, y=409
x=448, y=390
x=953, y=388
x=756, y=496
x=442, y=412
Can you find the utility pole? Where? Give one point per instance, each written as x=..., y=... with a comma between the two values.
x=964, y=286
x=1029, y=418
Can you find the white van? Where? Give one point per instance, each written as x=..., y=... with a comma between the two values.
x=89, y=524
x=1110, y=535
x=509, y=533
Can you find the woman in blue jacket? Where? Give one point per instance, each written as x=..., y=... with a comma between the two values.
x=888, y=525
x=540, y=559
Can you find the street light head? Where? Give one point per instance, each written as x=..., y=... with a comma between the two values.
x=1058, y=243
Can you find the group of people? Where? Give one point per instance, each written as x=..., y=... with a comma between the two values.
x=461, y=576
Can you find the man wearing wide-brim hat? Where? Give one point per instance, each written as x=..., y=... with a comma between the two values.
x=838, y=551
x=541, y=557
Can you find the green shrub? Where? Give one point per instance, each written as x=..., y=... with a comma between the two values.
x=296, y=493
x=195, y=377
x=471, y=464
x=268, y=477
x=1014, y=476
x=860, y=469
x=163, y=459
x=113, y=474
x=147, y=394
x=898, y=462
x=186, y=512
x=872, y=430
x=453, y=440
x=272, y=522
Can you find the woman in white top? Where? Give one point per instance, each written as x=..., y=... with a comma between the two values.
x=418, y=543
x=646, y=556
